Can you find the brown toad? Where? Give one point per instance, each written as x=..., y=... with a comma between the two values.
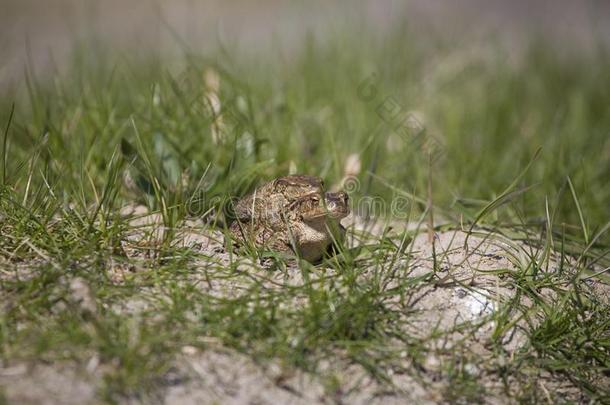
x=291, y=214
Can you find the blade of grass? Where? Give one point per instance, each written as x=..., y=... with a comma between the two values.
x=585, y=233
x=5, y=143
x=505, y=196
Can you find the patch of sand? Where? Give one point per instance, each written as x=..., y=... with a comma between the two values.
x=466, y=288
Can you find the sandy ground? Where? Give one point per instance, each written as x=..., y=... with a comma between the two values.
x=465, y=293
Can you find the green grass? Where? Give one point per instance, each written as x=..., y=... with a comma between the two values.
x=72, y=138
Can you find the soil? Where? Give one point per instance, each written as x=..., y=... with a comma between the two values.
x=466, y=291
